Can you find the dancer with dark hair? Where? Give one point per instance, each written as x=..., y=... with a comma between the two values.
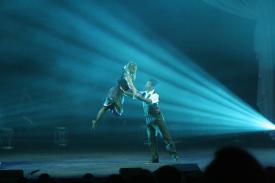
x=155, y=121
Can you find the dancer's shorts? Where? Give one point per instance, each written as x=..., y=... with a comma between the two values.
x=114, y=101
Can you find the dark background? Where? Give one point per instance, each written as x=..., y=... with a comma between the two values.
x=220, y=43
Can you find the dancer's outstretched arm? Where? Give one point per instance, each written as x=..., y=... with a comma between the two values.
x=131, y=84
x=141, y=98
x=137, y=96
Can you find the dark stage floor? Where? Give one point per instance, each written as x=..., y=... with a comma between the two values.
x=105, y=163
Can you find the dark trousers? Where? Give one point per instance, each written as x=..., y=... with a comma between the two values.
x=156, y=124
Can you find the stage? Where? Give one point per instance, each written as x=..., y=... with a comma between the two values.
x=70, y=165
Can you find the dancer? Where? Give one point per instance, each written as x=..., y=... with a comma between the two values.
x=155, y=121
x=115, y=98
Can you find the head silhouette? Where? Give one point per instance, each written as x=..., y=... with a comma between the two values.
x=232, y=164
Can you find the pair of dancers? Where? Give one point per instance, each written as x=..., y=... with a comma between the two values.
x=155, y=122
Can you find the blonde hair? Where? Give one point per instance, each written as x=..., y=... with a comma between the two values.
x=128, y=67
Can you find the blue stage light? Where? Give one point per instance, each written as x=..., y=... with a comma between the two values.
x=89, y=45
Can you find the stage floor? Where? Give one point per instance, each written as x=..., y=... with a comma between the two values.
x=106, y=163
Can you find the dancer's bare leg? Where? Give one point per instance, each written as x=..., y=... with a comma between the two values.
x=100, y=114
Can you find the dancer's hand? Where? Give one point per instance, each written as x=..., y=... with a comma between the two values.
x=134, y=93
x=138, y=94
